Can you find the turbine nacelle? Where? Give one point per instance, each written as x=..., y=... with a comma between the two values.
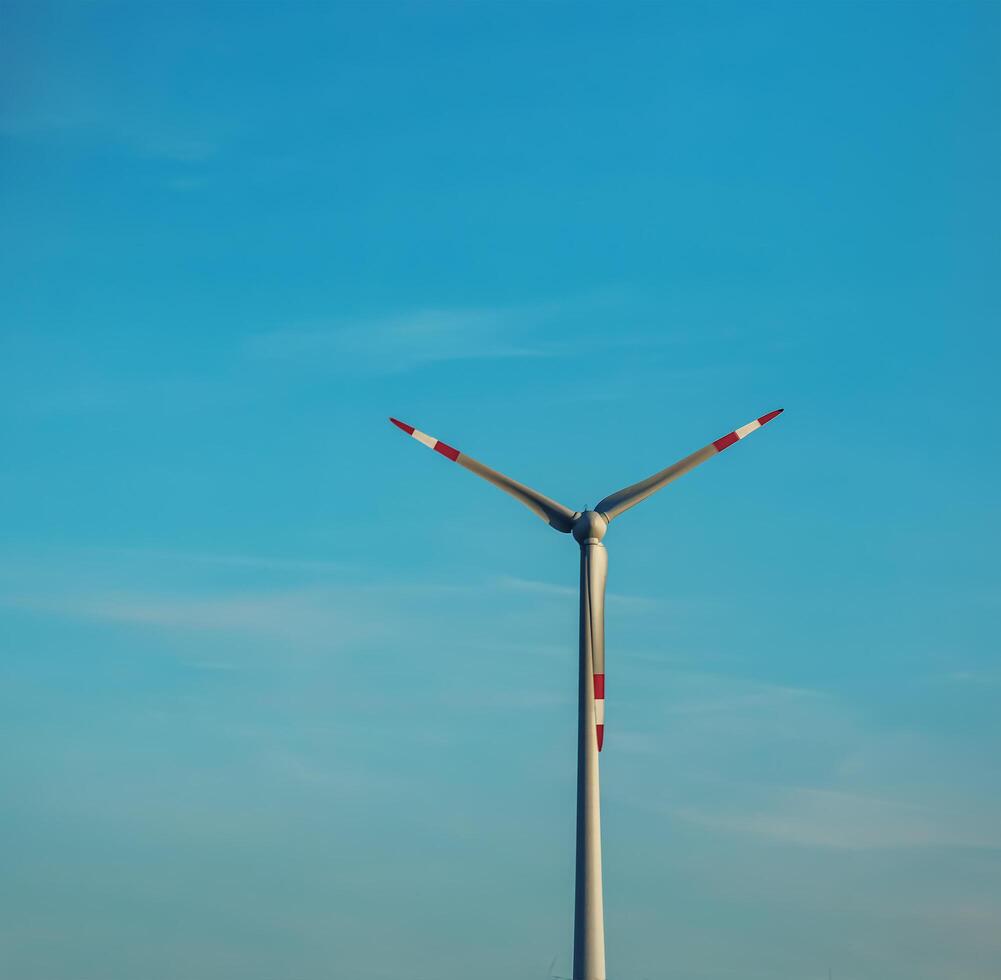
x=589, y=527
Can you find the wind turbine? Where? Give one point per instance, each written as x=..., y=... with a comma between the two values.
x=588, y=528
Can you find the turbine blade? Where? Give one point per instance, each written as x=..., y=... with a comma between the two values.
x=554, y=513
x=594, y=578
x=619, y=502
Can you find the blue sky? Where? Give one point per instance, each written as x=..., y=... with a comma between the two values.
x=284, y=696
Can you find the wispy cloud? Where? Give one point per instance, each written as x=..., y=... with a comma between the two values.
x=869, y=786
x=388, y=343
x=549, y=589
x=308, y=601
x=755, y=698
x=972, y=678
x=213, y=666
x=51, y=103
x=186, y=184
x=848, y=821
x=701, y=716
x=405, y=342
x=233, y=560
x=178, y=144
x=513, y=699
x=301, y=614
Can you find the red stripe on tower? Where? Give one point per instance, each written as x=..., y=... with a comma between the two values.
x=446, y=450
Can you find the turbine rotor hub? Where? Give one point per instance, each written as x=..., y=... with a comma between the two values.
x=590, y=527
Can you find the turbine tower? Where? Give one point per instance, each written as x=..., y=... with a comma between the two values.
x=588, y=528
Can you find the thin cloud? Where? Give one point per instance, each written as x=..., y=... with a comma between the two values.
x=548, y=589
x=978, y=678
x=297, y=615
x=183, y=144
x=885, y=788
x=515, y=584
x=406, y=342
x=506, y=700
x=51, y=104
x=323, y=612
x=234, y=560
x=847, y=821
x=759, y=697
x=186, y=184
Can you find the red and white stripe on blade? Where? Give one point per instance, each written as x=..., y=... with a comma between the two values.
x=622, y=500
x=745, y=430
x=599, y=707
x=422, y=437
x=593, y=584
x=551, y=511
